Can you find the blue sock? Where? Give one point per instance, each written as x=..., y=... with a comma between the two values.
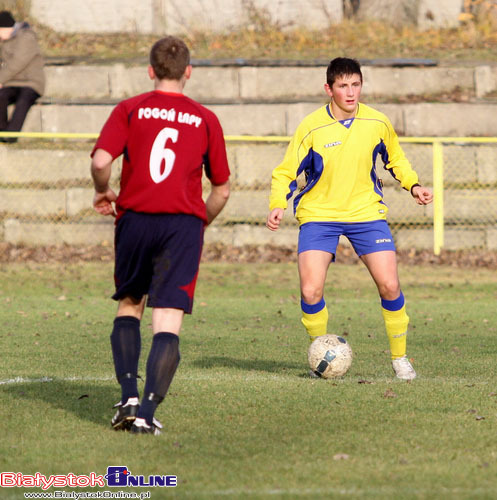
x=162, y=362
x=126, y=345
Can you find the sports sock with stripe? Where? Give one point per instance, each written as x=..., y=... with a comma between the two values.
x=396, y=322
x=162, y=362
x=315, y=318
x=126, y=345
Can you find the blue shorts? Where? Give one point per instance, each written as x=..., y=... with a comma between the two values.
x=365, y=237
x=158, y=255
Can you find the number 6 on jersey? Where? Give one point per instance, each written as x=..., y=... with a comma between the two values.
x=160, y=153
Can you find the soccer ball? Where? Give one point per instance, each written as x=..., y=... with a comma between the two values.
x=329, y=356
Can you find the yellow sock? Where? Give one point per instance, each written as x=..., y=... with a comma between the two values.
x=315, y=318
x=396, y=322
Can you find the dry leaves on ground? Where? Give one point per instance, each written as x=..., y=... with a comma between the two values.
x=217, y=252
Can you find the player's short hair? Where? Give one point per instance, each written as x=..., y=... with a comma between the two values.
x=169, y=57
x=341, y=66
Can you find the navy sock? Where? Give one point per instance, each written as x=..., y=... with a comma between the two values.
x=161, y=366
x=126, y=344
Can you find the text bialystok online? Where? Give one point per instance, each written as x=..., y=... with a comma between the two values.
x=117, y=476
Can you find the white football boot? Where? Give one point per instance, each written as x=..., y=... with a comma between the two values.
x=403, y=368
x=140, y=426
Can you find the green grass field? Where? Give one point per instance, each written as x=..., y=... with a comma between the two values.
x=242, y=419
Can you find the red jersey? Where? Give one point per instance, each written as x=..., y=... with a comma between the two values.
x=165, y=139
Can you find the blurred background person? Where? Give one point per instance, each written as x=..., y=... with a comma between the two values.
x=22, y=78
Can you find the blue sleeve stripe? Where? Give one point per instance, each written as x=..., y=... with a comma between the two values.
x=313, y=167
x=314, y=308
x=294, y=185
x=376, y=183
x=291, y=188
x=381, y=149
x=393, y=305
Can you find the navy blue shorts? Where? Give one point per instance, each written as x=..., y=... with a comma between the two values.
x=158, y=255
x=365, y=237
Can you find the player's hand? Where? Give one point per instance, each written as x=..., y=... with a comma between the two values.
x=274, y=219
x=102, y=202
x=422, y=195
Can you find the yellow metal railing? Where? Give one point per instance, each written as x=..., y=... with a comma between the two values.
x=49, y=135
x=438, y=197
x=438, y=178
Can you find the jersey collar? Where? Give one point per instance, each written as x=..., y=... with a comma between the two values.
x=348, y=121
x=177, y=94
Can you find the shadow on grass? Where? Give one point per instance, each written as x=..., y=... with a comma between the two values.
x=91, y=401
x=266, y=365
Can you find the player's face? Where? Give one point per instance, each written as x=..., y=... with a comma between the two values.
x=345, y=93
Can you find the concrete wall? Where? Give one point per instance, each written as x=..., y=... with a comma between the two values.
x=274, y=109
x=444, y=13
x=423, y=13
x=433, y=119
x=183, y=16
x=98, y=16
x=263, y=84
x=180, y=16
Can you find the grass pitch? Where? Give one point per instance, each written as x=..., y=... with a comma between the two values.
x=242, y=419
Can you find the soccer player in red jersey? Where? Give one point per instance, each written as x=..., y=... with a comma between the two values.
x=166, y=141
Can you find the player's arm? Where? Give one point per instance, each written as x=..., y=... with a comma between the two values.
x=217, y=200
x=110, y=144
x=281, y=182
x=283, y=179
x=401, y=169
x=399, y=166
x=101, y=166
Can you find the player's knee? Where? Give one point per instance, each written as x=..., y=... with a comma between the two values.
x=389, y=290
x=311, y=294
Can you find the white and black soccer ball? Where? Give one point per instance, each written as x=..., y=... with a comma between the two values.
x=329, y=356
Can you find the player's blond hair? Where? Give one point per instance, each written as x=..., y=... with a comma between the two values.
x=169, y=57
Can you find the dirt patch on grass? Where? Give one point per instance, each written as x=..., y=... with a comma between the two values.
x=245, y=254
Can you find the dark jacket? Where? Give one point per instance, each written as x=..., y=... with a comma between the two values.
x=22, y=61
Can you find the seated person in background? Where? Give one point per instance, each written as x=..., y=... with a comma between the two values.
x=22, y=79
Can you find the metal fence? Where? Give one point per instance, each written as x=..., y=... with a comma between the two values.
x=463, y=174
x=46, y=192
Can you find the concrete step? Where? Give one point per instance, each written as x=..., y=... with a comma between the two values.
x=425, y=119
x=273, y=99
x=233, y=83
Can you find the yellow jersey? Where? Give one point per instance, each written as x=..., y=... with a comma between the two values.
x=338, y=161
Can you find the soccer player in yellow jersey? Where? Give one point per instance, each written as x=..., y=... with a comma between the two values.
x=336, y=147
